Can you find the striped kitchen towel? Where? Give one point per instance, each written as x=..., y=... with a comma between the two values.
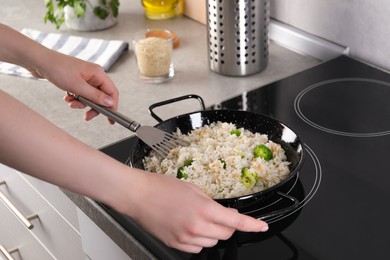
x=102, y=52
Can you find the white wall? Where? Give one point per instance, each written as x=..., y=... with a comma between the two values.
x=362, y=25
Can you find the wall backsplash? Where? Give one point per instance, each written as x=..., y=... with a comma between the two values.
x=362, y=25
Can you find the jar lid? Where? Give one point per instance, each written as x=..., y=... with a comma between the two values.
x=163, y=34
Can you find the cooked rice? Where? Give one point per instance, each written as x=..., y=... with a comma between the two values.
x=218, y=158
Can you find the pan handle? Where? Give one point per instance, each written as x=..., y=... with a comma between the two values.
x=173, y=100
x=295, y=204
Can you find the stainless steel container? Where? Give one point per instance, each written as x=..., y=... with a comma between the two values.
x=238, y=36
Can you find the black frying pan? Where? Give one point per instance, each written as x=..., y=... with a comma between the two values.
x=276, y=131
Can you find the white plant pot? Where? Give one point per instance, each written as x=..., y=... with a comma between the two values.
x=89, y=22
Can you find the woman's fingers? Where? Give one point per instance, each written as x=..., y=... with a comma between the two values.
x=231, y=218
x=74, y=103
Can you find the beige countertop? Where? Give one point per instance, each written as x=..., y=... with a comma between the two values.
x=191, y=66
x=192, y=76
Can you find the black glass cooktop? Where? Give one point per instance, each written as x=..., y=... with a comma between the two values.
x=341, y=111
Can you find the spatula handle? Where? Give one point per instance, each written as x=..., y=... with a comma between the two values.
x=110, y=113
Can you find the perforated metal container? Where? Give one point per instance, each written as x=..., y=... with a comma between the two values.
x=238, y=36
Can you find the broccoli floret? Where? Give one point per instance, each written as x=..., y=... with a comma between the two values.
x=248, y=179
x=223, y=163
x=263, y=151
x=235, y=132
x=188, y=162
x=180, y=172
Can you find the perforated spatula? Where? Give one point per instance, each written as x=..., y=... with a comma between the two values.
x=160, y=141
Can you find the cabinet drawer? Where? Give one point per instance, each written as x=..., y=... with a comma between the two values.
x=14, y=235
x=50, y=228
x=55, y=197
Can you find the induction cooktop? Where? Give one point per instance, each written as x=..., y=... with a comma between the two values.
x=341, y=111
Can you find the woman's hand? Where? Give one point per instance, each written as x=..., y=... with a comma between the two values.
x=82, y=78
x=182, y=215
x=66, y=72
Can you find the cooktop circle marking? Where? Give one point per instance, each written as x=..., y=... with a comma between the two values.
x=298, y=99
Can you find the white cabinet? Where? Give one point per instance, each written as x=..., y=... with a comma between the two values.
x=96, y=243
x=54, y=234
x=17, y=240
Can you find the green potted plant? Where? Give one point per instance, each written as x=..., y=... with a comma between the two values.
x=82, y=15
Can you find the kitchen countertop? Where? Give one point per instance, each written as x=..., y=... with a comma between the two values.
x=192, y=76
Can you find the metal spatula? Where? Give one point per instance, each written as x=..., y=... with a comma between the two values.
x=160, y=141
